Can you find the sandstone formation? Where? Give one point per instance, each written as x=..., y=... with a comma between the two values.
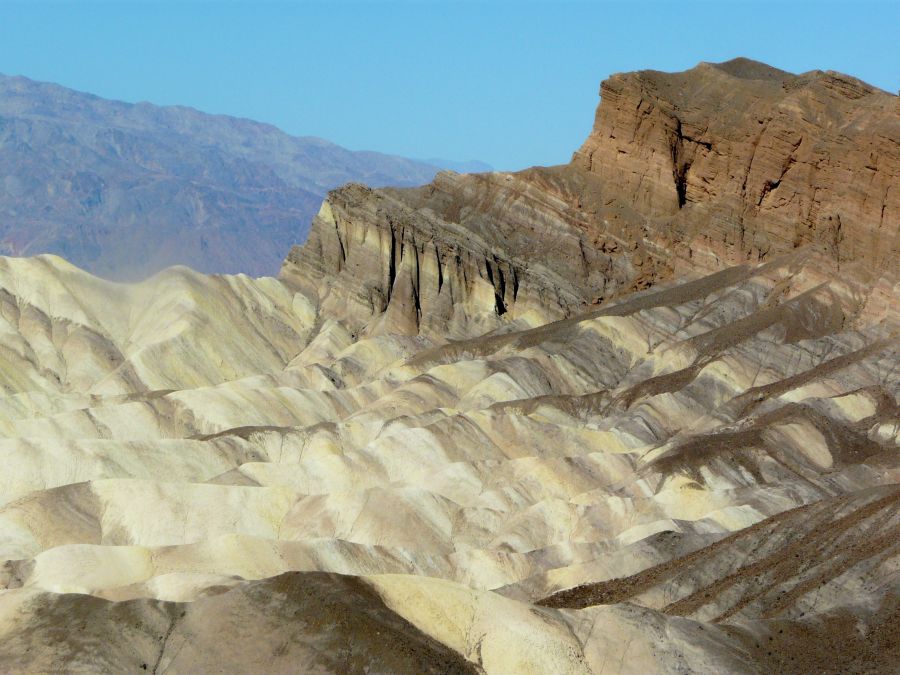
x=748, y=161
x=492, y=424
x=720, y=165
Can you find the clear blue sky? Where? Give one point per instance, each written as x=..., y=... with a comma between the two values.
x=513, y=84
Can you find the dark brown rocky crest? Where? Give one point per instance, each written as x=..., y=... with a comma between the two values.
x=719, y=165
x=752, y=160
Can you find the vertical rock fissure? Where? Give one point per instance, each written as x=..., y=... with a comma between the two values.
x=499, y=284
x=500, y=292
x=679, y=166
x=417, y=301
x=392, y=265
x=515, y=282
x=343, y=252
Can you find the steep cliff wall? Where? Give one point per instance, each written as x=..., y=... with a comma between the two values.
x=720, y=165
x=749, y=161
x=457, y=258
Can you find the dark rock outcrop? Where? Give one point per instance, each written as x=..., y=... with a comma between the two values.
x=747, y=160
x=719, y=165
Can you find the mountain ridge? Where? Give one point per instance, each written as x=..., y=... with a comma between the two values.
x=125, y=190
x=506, y=422
x=653, y=193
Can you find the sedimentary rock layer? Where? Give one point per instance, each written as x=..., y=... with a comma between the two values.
x=719, y=165
x=666, y=481
x=474, y=427
x=751, y=161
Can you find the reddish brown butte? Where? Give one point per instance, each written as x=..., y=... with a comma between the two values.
x=752, y=161
x=719, y=165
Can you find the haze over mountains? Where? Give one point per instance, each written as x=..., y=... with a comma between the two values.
x=638, y=413
x=125, y=190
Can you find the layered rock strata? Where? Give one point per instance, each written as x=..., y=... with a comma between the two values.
x=749, y=161
x=693, y=471
x=719, y=165
x=474, y=427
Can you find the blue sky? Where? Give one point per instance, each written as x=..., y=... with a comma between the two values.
x=510, y=83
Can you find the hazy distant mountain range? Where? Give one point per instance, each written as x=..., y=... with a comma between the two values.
x=470, y=166
x=125, y=190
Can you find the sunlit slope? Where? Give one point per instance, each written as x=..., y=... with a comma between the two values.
x=68, y=333
x=651, y=483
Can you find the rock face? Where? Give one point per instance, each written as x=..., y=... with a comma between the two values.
x=474, y=427
x=397, y=262
x=126, y=190
x=750, y=161
x=719, y=165
x=466, y=254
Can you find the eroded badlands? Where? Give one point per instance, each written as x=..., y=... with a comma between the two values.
x=708, y=465
x=420, y=449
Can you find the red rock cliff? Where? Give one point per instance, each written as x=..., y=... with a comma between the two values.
x=720, y=165
x=754, y=160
